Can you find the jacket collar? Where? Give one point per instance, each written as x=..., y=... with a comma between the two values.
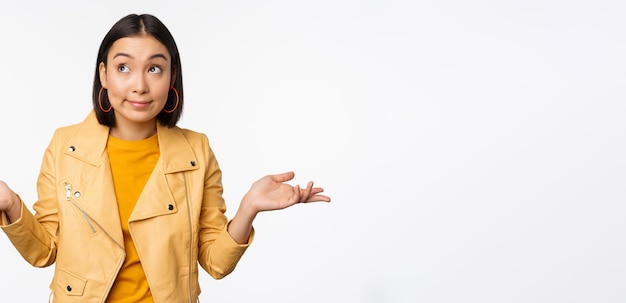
x=89, y=144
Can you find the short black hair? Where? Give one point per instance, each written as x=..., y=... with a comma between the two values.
x=134, y=25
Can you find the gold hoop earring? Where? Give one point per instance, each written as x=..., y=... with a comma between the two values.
x=100, y=101
x=176, y=105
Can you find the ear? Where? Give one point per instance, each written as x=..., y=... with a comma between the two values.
x=103, y=74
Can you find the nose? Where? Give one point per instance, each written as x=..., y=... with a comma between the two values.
x=140, y=84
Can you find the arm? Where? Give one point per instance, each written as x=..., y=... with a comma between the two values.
x=222, y=243
x=34, y=236
x=218, y=252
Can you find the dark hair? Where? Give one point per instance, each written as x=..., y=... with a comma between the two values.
x=133, y=25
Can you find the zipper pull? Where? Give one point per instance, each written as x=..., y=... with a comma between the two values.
x=68, y=191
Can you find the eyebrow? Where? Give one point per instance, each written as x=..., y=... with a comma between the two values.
x=159, y=55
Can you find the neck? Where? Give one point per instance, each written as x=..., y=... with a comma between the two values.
x=133, y=132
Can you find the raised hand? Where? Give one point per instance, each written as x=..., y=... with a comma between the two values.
x=272, y=193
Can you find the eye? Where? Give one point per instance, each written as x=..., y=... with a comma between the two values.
x=123, y=68
x=154, y=70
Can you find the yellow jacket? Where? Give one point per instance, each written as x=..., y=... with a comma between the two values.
x=178, y=221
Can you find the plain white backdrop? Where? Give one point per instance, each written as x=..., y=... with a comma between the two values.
x=474, y=150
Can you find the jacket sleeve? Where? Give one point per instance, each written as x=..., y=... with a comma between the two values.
x=34, y=236
x=218, y=251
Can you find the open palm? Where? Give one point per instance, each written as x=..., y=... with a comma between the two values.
x=272, y=193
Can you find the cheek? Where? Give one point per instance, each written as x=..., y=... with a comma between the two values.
x=116, y=86
x=161, y=91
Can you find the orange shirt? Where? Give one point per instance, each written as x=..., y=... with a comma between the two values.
x=132, y=163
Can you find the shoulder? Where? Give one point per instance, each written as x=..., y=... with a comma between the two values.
x=88, y=131
x=198, y=141
x=191, y=134
x=185, y=143
x=178, y=133
x=89, y=123
x=177, y=137
x=67, y=130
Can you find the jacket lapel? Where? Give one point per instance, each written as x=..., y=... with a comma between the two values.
x=176, y=155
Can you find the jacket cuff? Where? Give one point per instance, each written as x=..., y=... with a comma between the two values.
x=233, y=242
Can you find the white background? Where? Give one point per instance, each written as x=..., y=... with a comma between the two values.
x=474, y=150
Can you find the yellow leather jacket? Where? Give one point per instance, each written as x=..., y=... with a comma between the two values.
x=178, y=222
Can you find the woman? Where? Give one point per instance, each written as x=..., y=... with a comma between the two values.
x=129, y=203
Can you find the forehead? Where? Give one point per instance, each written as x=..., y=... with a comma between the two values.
x=138, y=47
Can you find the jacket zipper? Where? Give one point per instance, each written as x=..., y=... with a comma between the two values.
x=190, y=241
x=68, y=196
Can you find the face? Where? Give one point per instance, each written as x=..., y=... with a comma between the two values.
x=137, y=78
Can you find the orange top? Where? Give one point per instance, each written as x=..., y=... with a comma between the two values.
x=132, y=163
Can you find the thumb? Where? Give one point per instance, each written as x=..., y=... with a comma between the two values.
x=284, y=177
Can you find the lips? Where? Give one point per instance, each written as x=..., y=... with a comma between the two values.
x=139, y=104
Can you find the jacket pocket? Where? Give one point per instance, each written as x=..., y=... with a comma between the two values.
x=69, y=283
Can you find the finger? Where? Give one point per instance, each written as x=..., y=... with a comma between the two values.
x=307, y=192
x=316, y=190
x=284, y=177
x=318, y=198
x=297, y=194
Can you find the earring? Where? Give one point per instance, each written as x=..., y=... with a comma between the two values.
x=175, y=106
x=100, y=101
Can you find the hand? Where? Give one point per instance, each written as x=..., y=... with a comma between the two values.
x=6, y=197
x=9, y=202
x=271, y=193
